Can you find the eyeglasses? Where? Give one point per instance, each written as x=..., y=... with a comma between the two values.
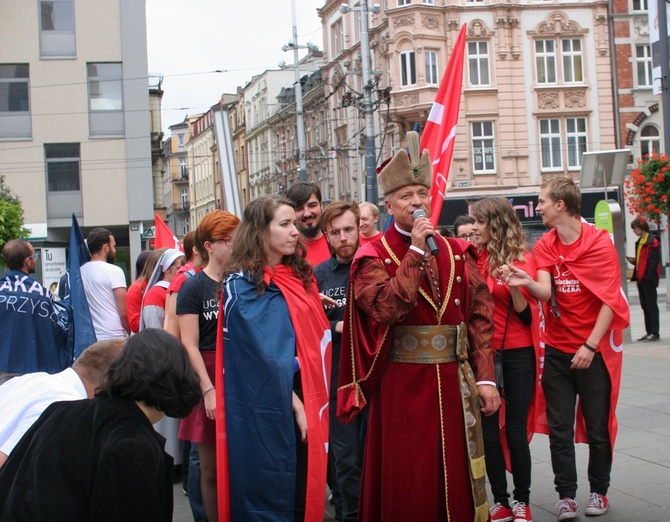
x=467, y=237
x=36, y=255
x=228, y=241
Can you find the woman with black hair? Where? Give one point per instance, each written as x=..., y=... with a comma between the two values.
x=101, y=459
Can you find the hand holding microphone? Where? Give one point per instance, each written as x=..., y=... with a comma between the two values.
x=430, y=240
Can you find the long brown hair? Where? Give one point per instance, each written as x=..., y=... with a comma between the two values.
x=508, y=240
x=250, y=249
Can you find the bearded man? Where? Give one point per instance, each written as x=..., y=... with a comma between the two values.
x=105, y=287
x=306, y=197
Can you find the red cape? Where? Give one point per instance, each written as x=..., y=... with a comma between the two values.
x=595, y=249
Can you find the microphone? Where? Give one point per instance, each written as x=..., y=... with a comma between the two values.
x=430, y=240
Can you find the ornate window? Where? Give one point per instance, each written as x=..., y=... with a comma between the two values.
x=545, y=61
x=641, y=5
x=478, y=63
x=575, y=131
x=430, y=58
x=559, y=55
x=643, y=65
x=562, y=141
x=407, y=68
x=572, y=60
x=483, y=147
x=650, y=141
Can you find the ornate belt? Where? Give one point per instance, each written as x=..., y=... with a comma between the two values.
x=424, y=344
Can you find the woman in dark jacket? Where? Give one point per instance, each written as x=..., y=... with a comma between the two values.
x=101, y=459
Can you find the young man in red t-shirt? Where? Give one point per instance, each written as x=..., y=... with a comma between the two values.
x=583, y=341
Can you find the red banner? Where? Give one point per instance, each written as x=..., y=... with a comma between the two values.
x=440, y=130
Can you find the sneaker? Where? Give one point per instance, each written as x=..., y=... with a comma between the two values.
x=643, y=338
x=597, y=505
x=500, y=513
x=652, y=338
x=521, y=512
x=567, y=508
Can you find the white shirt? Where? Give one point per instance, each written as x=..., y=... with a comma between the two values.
x=100, y=279
x=24, y=398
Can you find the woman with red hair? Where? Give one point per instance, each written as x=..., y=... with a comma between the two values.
x=198, y=311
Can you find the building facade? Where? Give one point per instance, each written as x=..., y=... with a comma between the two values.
x=639, y=121
x=285, y=144
x=260, y=104
x=537, y=85
x=75, y=118
x=157, y=154
x=176, y=196
x=236, y=115
x=201, y=163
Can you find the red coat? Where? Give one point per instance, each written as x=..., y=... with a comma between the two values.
x=416, y=430
x=648, y=264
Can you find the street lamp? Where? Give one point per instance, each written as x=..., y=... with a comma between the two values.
x=292, y=45
x=368, y=106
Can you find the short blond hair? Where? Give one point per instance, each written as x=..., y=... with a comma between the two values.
x=373, y=208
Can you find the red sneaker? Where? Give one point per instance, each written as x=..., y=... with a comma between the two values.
x=500, y=513
x=567, y=509
x=521, y=512
x=597, y=505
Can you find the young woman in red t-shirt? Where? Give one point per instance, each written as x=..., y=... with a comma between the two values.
x=501, y=242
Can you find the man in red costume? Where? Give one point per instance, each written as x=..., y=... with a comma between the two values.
x=583, y=342
x=416, y=350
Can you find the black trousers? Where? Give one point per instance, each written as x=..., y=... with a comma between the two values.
x=519, y=377
x=649, y=302
x=346, y=448
x=561, y=387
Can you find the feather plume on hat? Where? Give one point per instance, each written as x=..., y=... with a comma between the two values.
x=406, y=169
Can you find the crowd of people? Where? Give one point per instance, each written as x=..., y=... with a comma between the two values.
x=299, y=345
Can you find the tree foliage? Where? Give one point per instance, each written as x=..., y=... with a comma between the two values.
x=11, y=217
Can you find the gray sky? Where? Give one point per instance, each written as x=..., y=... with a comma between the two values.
x=187, y=39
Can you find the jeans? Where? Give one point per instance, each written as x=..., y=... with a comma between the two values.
x=194, y=491
x=519, y=378
x=561, y=386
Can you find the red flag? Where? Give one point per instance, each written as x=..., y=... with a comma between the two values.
x=164, y=238
x=440, y=130
x=222, y=482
